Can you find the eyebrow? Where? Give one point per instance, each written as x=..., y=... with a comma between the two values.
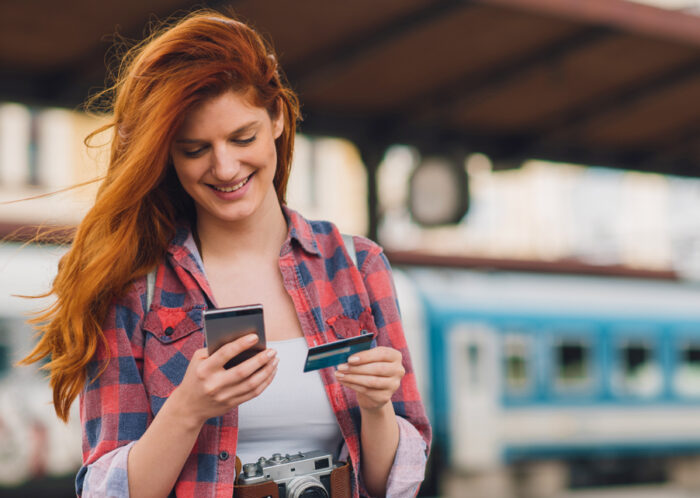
x=238, y=131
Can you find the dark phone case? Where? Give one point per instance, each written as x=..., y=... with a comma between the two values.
x=224, y=325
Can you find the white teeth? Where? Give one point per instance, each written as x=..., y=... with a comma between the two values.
x=231, y=189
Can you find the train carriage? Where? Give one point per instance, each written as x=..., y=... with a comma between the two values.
x=528, y=368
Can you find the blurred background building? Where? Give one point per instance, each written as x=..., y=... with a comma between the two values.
x=549, y=290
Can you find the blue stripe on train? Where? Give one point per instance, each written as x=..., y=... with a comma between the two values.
x=512, y=454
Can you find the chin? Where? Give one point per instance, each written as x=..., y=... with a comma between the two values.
x=236, y=215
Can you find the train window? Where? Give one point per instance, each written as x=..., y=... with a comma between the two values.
x=4, y=359
x=516, y=351
x=687, y=378
x=638, y=372
x=4, y=349
x=473, y=361
x=572, y=364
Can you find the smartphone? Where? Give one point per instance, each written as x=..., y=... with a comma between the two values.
x=223, y=325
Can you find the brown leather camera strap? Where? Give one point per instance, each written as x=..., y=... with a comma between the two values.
x=262, y=490
x=340, y=482
x=340, y=486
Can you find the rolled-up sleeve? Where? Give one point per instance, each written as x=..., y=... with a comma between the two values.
x=409, y=463
x=408, y=469
x=114, y=409
x=107, y=476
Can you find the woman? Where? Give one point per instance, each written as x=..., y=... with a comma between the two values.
x=203, y=137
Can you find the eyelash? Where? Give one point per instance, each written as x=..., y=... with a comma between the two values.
x=198, y=152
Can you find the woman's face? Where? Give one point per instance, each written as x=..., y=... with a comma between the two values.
x=225, y=158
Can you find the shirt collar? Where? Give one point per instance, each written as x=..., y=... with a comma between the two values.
x=299, y=229
x=184, y=251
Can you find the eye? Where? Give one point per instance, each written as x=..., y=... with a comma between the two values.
x=195, y=152
x=245, y=141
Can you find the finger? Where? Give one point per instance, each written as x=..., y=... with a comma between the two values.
x=379, y=369
x=359, y=388
x=256, y=383
x=250, y=366
x=231, y=349
x=199, y=365
x=380, y=353
x=255, y=393
x=376, y=395
x=200, y=354
x=369, y=381
x=266, y=381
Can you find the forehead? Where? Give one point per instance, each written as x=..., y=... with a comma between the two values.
x=222, y=113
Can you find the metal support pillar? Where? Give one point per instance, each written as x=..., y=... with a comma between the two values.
x=372, y=155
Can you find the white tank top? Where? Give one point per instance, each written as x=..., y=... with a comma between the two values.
x=293, y=414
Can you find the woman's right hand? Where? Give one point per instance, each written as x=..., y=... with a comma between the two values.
x=208, y=390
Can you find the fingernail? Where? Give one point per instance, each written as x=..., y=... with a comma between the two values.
x=353, y=359
x=271, y=353
x=275, y=362
x=339, y=375
x=252, y=338
x=343, y=367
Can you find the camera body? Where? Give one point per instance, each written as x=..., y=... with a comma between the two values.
x=300, y=475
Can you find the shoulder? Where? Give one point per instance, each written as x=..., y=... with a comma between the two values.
x=329, y=238
x=369, y=253
x=325, y=237
x=131, y=305
x=137, y=290
x=302, y=227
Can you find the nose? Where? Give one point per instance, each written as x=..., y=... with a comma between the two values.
x=225, y=163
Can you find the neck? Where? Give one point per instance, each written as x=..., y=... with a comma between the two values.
x=259, y=235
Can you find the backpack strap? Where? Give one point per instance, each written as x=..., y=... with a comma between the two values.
x=151, y=276
x=350, y=247
x=150, y=287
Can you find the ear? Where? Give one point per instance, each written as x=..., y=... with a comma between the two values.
x=278, y=120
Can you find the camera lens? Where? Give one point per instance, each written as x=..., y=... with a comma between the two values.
x=306, y=487
x=314, y=493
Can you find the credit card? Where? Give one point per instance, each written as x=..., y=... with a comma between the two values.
x=337, y=352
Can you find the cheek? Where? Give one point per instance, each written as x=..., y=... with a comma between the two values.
x=178, y=172
x=271, y=155
x=184, y=176
x=262, y=157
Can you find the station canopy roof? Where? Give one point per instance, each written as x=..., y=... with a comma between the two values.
x=604, y=82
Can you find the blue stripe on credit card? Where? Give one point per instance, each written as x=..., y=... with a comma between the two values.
x=335, y=353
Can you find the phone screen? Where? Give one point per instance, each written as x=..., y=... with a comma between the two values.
x=224, y=325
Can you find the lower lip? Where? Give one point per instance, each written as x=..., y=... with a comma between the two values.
x=236, y=194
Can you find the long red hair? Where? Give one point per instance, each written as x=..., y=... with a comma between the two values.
x=127, y=231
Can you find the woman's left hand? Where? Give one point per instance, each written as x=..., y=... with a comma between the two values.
x=374, y=375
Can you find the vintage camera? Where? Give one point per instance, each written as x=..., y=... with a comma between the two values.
x=303, y=475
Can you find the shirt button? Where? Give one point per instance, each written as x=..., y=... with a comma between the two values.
x=169, y=331
x=223, y=455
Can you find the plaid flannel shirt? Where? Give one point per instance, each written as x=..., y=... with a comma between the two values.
x=149, y=351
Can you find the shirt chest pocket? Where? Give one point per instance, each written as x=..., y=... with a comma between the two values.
x=172, y=335
x=343, y=326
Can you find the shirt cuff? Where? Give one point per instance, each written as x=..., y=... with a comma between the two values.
x=107, y=477
x=408, y=469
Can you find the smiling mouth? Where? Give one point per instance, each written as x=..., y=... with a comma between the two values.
x=232, y=188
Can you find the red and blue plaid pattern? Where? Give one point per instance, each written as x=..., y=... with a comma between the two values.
x=149, y=350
